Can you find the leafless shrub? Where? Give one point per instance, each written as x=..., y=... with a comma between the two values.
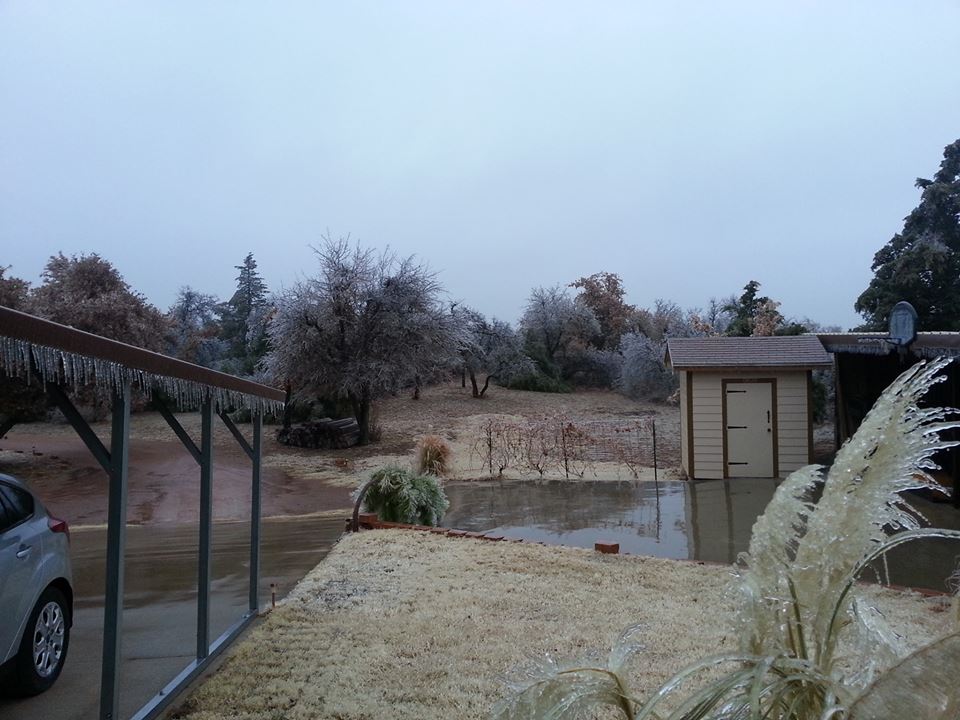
x=559, y=446
x=433, y=455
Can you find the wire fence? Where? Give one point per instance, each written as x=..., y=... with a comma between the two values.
x=558, y=445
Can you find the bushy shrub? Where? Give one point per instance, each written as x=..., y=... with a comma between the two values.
x=433, y=456
x=399, y=495
x=593, y=368
x=643, y=374
x=538, y=382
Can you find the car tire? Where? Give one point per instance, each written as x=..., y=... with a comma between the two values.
x=43, y=649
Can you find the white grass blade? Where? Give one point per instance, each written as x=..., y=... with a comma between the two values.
x=923, y=686
x=890, y=452
x=765, y=600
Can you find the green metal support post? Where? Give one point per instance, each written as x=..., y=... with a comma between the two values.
x=255, y=510
x=206, y=527
x=116, y=543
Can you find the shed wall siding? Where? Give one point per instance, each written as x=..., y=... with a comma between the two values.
x=792, y=418
x=684, y=425
x=792, y=432
x=708, y=425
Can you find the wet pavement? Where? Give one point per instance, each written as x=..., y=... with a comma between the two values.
x=160, y=604
x=708, y=520
x=704, y=520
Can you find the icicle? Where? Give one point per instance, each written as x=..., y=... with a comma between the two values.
x=26, y=360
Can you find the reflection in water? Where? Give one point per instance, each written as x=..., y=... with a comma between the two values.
x=709, y=521
x=702, y=520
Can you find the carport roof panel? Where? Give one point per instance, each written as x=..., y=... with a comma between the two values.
x=63, y=354
x=793, y=351
x=929, y=344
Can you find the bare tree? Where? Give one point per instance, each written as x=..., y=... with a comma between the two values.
x=366, y=325
x=665, y=319
x=553, y=323
x=491, y=348
x=710, y=322
x=194, y=328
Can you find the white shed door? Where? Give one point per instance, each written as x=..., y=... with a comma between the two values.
x=749, y=429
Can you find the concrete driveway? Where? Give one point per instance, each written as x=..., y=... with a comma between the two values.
x=160, y=608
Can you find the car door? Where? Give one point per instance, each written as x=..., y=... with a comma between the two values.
x=20, y=555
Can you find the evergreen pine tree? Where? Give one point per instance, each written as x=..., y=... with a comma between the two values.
x=921, y=264
x=243, y=320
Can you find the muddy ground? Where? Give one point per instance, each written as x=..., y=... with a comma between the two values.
x=164, y=479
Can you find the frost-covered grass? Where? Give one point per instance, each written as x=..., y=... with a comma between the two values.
x=405, y=624
x=812, y=645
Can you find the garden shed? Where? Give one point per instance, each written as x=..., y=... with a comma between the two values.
x=746, y=403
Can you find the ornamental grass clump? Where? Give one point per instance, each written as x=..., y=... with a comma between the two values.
x=811, y=646
x=399, y=495
x=433, y=456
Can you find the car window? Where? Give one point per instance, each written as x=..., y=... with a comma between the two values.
x=17, y=503
x=4, y=515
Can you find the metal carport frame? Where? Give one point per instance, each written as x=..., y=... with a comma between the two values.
x=58, y=356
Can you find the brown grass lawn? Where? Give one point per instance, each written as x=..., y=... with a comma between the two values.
x=405, y=624
x=299, y=481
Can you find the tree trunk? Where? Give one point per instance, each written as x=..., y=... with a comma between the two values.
x=6, y=424
x=287, y=409
x=473, y=383
x=463, y=376
x=416, y=387
x=486, y=384
x=363, y=420
x=361, y=411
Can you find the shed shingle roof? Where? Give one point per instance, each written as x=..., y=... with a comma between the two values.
x=795, y=351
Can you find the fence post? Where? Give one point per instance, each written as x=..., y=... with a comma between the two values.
x=490, y=446
x=653, y=425
x=563, y=447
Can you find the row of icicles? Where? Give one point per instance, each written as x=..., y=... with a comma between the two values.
x=78, y=371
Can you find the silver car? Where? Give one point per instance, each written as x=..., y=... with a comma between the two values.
x=36, y=591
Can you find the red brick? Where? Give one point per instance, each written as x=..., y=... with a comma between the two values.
x=609, y=548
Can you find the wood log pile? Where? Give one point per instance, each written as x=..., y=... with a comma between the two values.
x=323, y=434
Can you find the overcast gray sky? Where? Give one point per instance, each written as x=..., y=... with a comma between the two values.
x=687, y=146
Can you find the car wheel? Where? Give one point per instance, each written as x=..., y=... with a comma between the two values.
x=43, y=649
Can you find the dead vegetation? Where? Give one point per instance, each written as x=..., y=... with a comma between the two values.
x=413, y=625
x=449, y=412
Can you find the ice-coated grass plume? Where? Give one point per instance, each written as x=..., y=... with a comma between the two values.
x=811, y=646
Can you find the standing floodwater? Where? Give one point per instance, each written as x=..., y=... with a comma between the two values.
x=705, y=520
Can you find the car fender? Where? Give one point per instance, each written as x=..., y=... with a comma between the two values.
x=52, y=568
